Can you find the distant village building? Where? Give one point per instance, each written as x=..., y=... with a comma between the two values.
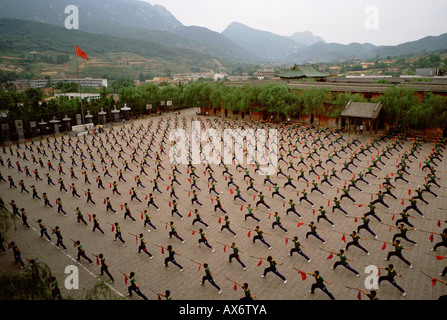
x=192, y=77
x=42, y=83
x=71, y=95
x=426, y=72
x=266, y=73
x=303, y=71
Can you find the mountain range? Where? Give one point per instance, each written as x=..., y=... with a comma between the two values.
x=238, y=43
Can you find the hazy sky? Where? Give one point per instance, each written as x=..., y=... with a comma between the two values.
x=380, y=22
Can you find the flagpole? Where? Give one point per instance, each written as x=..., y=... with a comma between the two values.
x=79, y=86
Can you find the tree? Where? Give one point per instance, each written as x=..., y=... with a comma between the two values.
x=397, y=101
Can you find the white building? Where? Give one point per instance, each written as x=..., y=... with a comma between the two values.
x=71, y=95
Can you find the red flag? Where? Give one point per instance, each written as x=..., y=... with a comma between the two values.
x=81, y=53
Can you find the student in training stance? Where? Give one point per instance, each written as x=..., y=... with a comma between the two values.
x=198, y=218
x=398, y=252
x=260, y=236
x=272, y=268
x=297, y=248
x=313, y=232
x=292, y=208
x=127, y=213
x=59, y=237
x=343, y=262
x=79, y=216
x=304, y=197
x=208, y=276
x=262, y=201
x=248, y=295
x=235, y=255
x=355, y=241
x=227, y=226
x=151, y=202
x=403, y=233
x=143, y=246
x=175, y=210
x=276, y=187
x=173, y=232
x=105, y=267
x=203, y=239
x=118, y=233
x=147, y=220
x=337, y=206
x=60, y=208
x=24, y=218
x=278, y=223
x=365, y=225
x=171, y=257
x=219, y=205
x=81, y=252
x=323, y=215
x=16, y=252
x=43, y=230
x=390, y=277
x=55, y=291
x=134, y=286
x=443, y=242
x=319, y=284
x=109, y=205
x=195, y=199
x=250, y=213
x=380, y=197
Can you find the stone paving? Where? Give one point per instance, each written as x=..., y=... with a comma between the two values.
x=151, y=274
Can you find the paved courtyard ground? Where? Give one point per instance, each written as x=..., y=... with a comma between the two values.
x=151, y=274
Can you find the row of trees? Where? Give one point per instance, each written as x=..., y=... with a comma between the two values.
x=402, y=106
